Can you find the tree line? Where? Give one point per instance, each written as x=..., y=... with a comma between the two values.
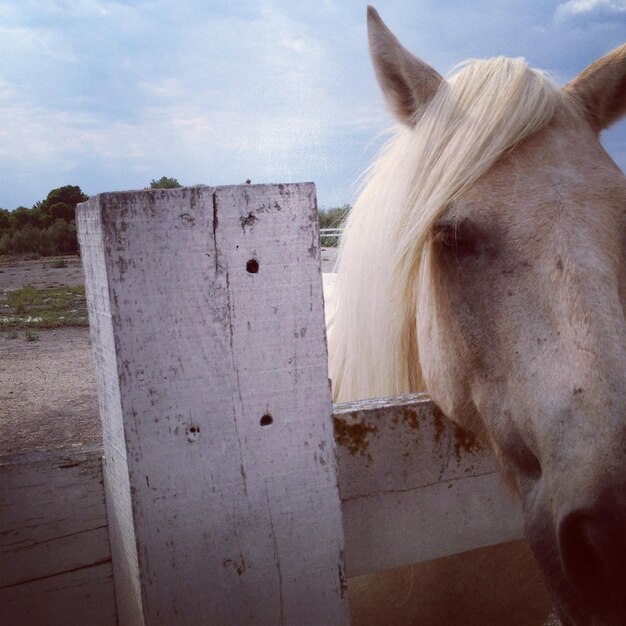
x=333, y=218
x=48, y=228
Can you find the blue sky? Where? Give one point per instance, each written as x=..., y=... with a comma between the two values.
x=108, y=95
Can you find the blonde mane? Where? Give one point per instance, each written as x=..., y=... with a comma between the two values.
x=477, y=115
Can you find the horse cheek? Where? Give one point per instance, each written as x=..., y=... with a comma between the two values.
x=442, y=363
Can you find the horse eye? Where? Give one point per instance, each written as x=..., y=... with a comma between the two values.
x=445, y=234
x=458, y=237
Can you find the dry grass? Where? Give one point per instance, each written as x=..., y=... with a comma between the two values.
x=30, y=307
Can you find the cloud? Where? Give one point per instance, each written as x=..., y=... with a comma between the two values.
x=590, y=11
x=108, y=94
x=256, y=93
x=298, y=45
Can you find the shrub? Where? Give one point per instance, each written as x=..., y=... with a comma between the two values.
x=333, y=218
x=165, y=182
x=19, y=307
x=31, y=336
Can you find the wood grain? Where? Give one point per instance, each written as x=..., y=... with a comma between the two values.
x=55, y=562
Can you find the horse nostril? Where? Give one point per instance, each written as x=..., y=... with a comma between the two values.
x=591, y=557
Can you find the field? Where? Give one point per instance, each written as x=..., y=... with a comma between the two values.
x=47, y=381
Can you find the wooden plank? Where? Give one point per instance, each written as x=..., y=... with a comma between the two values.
x=84, y=597
x=208, y=325
x=414, y=486
x=53, y=539
x=410, y=489
x=116, y=483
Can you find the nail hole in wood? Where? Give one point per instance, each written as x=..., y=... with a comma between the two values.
x=193, y=432
x=252, y=266
x=266, y=420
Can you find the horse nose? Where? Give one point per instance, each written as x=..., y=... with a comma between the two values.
x=592, y=546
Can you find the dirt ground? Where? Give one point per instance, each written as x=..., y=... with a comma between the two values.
x=48, y=395
x=48, y=392
x=40, y=273
x=48, y=400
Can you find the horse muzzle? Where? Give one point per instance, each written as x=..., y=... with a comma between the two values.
x=592, y=551
x=583, y=555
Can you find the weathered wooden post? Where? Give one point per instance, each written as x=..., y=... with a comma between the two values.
x=207, y=319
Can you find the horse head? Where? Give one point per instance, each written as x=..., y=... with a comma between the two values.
x=506, y=247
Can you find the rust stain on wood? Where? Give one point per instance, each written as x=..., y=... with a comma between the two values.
x=239, y=566
x=465, y=441
x=439, y=420
x=354, y=437
x=410, y=417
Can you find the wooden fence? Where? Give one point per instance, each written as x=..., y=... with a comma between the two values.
x=331, y=233
x=235, y=493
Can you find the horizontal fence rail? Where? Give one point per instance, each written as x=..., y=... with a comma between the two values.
x=334, y=234
x=413, y=487
x=55, y=557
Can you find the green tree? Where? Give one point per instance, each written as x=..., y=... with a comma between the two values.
x=6, y=243
x=47, y=228
x=27, y=239
x=333, y=218
x=45, y=219
x=5, y=220
x=62, y=211
x=64, y=199
x=20, y=218
x=69, y=194
x=62, y=238
x=165, y=183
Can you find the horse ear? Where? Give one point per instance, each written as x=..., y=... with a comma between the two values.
x=406, y=81
x=601, y=89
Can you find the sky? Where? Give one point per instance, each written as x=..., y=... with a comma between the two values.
x=109, y=95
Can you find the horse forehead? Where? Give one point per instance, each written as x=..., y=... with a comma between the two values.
x=561, y=170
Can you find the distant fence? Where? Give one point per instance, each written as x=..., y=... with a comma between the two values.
x=330, y=236
x=235, y=494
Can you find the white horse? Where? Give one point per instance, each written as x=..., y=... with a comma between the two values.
x=485, y=262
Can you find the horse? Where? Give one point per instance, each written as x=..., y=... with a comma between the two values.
x=485, y=263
